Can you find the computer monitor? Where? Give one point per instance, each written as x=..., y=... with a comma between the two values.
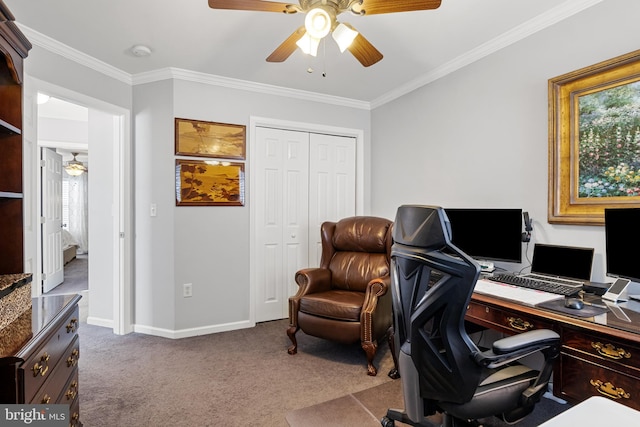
x=622, y=234
x=487, y=234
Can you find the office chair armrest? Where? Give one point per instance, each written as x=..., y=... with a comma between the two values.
x=509, y=349
x=312, y=280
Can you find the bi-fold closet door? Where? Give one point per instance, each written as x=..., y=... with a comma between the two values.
x=301, y=180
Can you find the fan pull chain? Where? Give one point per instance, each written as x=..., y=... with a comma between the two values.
x=324, y=58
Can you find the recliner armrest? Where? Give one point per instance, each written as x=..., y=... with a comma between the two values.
x=312, y=280
x=515, y=347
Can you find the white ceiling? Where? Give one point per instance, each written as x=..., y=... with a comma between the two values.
x=418, y=47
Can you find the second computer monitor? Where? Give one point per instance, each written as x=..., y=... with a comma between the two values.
x=487, y=234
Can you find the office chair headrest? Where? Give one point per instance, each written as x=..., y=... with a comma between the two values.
x=421, y=226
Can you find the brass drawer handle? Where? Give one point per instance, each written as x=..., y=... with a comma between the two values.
x=73, y=358
x=519, y=324
x=609, y=390
x=73, y=391
x=45, y=399
x=72, y=325
x=41, y=367
x=610, y=351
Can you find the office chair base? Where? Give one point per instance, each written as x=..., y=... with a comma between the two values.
x=394, y=415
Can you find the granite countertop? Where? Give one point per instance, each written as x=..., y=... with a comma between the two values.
x=10, y=282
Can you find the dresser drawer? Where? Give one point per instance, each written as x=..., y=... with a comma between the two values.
x=69, y=393
x=503, y=320
x=39, y=366
x=51, y=390
x=581, y=379
x=74, y=414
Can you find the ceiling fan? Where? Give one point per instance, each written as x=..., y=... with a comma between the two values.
x=321, y=20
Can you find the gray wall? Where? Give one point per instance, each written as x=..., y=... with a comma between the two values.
x=479, y=136
x=205, y=246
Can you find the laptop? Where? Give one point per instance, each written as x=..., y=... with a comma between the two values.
x=569, y=265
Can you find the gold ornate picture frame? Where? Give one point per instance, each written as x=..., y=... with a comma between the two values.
x=209, y=183
x=594, y=141
x=210, y=139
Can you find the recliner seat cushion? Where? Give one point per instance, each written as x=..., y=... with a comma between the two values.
x=336, y=304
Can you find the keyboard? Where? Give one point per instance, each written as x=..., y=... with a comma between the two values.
x=551, y=285
x=525, y=296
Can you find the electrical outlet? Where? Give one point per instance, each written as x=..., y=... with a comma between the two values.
x=187, y=290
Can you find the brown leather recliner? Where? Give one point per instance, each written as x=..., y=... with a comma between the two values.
x=347, y=299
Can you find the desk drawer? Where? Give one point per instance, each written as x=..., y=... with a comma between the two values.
x=503, y=320
x=580, y=379
x=608, y=351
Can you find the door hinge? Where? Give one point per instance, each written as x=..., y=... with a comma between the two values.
x=44, y=276
x=43, y=220
x=43, y=163
x=122, y=234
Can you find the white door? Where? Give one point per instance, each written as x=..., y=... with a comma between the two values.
x=52, y=261
x=295, y=173
x=281, y=166
x=332, y=185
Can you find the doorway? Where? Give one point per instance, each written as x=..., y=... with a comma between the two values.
x=63, y=143
x=109, y=301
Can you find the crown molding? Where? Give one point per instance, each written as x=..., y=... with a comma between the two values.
x=213, y=80
x=539, y=23
x=54, y=46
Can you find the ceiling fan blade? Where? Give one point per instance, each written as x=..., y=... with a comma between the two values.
x=364, y=51
x=287, y=47
x=375, y=7
x=257, y=5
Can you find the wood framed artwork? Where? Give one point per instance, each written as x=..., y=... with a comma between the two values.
x=210, y=139
x=209, y=183
x=594, y=141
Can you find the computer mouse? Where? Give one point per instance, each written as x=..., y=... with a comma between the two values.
x=573, y=303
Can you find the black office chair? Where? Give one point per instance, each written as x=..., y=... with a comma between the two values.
x=442, y=370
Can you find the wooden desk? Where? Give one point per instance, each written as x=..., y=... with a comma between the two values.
x=600, y=355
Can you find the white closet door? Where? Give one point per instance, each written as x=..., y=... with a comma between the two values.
x=281, y=229
x=332, y=185
x=52, y=264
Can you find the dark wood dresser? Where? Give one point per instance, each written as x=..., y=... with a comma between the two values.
x=43, y=368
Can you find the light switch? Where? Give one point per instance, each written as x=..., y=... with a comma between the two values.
x=153, y=210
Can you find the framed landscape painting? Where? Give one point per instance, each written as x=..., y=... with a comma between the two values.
x=594, y=141
x=210, y=139
x=209, y=183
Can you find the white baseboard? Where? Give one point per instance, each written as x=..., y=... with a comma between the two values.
x=192, y=332
x=96, y=321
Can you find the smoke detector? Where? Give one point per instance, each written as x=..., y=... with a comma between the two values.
x=140, y=50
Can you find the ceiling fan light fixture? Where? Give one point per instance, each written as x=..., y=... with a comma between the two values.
x=308, y=45
x=344, y=36
x=317, y=23
x=75, y=167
